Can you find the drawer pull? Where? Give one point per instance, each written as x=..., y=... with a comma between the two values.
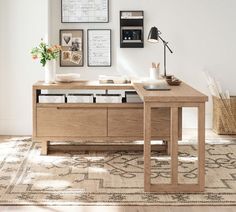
x=68, y=108
x=77, y=108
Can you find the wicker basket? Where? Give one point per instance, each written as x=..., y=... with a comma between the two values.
x=224, y=116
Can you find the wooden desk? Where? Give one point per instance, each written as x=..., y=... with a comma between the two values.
x=105, y=126
x=126, y=121
x=178, y=97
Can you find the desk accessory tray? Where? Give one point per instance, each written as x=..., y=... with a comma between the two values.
x=173, y=81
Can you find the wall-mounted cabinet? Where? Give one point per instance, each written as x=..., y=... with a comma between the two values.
x=131, y=29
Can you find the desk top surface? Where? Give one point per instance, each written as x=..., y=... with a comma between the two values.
x=83, y=85
x=182, y=93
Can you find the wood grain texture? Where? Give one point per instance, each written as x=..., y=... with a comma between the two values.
x=96, y=139
x=71, y=122
x=147, y=147
x=92, y=105
x=180, y=122
x=83, y=85
x=174, y=145
x=182, y=93
x=129, y=122
x=174, y=186
x=201, y=147
x=35, y=94
x=44, y=147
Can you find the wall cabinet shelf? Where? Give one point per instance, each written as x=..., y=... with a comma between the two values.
x=131, y=29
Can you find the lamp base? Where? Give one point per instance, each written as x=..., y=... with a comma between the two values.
x=167, y=76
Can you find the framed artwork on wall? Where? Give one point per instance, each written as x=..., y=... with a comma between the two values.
x=72, y=44
x=99, y=47
x=84, y=11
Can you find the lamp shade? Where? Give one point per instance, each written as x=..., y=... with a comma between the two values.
x=153, y=35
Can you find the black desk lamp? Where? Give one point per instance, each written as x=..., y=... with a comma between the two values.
x=153, y=37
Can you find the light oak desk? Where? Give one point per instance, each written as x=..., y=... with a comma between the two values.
x=159, y=117
x=96, y=126
x=178, y=97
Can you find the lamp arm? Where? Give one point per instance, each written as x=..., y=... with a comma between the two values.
x=165, y=43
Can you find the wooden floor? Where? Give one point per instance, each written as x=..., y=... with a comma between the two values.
x=186, y=134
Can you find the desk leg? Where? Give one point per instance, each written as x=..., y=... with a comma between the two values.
x=44, y=147
x=174, y=186
x=201, y=147
x=147, y=147
x=174, y=145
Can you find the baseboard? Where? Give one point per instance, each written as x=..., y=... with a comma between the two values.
x=15, y=127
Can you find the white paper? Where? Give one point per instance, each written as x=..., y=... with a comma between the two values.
x=99, y=47
x=85, y=11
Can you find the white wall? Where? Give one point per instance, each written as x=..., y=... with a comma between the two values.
x=201, y=33
x=22, y=24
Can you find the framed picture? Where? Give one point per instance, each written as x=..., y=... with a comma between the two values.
x=99, y=47
x=84, y=11
x=72, y=44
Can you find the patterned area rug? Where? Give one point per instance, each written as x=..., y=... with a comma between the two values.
x=110, y=178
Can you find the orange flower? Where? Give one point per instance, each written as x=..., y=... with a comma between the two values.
x=35, y=57
x=57, y=47
x=50, y=50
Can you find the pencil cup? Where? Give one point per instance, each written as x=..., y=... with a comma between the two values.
x=154, y=74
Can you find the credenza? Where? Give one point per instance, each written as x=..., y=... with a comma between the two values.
x=100, y=123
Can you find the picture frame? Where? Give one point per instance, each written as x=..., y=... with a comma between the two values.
x=72, y=44
x=99, y=47
x=71, y=11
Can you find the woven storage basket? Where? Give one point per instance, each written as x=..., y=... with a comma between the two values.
x=224, y=116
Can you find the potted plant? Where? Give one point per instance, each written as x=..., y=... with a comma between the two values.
x=47, y=56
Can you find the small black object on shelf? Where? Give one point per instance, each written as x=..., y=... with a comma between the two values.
x=131, y=29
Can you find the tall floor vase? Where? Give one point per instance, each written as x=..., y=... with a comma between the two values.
x=50, y=72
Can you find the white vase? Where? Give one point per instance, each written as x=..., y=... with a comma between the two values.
x=50, y=72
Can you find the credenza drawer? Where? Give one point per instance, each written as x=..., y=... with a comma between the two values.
x=129, y=122
x=56, y=121
x=125, y=122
